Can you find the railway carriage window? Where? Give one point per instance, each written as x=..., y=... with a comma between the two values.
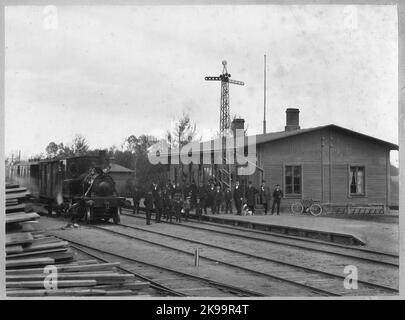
x=293, y=180
x=357, y=181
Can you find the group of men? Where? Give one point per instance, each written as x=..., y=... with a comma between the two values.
x=172, y=200
x=263, y=195
x=167, y=202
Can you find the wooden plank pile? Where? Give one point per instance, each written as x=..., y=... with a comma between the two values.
x=38, y=264
x=15, y=195
x=16, y=217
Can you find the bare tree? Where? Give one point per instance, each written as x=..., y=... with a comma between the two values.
x=80, y=144
x=184, y=132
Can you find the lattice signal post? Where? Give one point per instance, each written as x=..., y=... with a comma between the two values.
x=225, y=120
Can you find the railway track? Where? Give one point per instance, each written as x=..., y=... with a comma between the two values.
x=153, y=284
x=191, y=284
x=341, y=250
x=315, y=280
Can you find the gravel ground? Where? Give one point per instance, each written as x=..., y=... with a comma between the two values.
x=373, y=272
x=167, y=257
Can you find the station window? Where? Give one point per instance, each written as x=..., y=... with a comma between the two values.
x=357, y=180
x=293, y=181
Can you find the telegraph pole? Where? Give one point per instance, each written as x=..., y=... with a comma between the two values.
x=224, y=116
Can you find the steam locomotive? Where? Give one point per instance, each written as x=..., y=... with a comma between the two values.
x=78, y=186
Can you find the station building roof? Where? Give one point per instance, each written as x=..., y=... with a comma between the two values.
x=210, y=145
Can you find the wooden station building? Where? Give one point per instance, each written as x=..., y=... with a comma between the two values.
x=327, y=163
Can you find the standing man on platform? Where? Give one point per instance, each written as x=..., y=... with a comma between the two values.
x=165, y=203
x=265, y=196
x=136, y=197
x=154, y=189
x=228, y=200
x=251, y=197
x=277, y=195
x=210, y=196
x=193, y=194
x=148, y=206
x=158, y=202
x=202, y=196
x=176, y=189
x=169, y=188
x=238, y=198
x=218, y=199
x=177, y=204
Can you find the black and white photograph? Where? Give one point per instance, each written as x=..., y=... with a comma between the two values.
x=204, y=151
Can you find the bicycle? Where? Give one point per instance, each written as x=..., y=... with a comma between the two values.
x=307, y=205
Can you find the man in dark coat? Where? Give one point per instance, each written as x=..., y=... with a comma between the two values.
x=250, y=196
x=202, y=196
x=165, y=198
x=176, y=189
x=211, y=197
x=238, y=197
x=218, y=199
x=148, y=206
x=277, y=195
x=186, y=191
x=136, y=197
x=228, y=200
x=198, y=208
x=154, y=189
x=177, y=204
x=167, y=205
x=158, y=202
x=193, y=194
x=264, y=196
x=169, y=188
x=186, y=208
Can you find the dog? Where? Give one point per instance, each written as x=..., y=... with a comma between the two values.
x=246, y=211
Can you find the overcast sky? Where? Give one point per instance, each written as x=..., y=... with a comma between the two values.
x=109, y=72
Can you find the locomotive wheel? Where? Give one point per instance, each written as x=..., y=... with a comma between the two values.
x=87, y=216
x=116, y=216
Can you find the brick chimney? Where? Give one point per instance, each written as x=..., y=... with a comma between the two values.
x=237, y=123
x=292, y=119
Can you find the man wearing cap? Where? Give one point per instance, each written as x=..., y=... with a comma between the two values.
x=251, y=197
x=277, y=195
x=265, y=196
x=238, y=197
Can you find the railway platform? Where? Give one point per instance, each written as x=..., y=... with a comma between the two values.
x=375, y=234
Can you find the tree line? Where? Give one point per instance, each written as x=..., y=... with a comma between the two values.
x=132, y=153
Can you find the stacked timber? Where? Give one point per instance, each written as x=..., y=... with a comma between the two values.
x=45, y=266
x=38, y=264
x=17, y=220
